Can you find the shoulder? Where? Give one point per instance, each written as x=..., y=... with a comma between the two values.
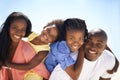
x=60, y=47
x=32, y=36
x=107, y=55
x=108, y=58
x=26, y=47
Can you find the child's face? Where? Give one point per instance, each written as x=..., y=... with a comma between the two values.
x=74, y=39
x=49, y=34
x=94, y=46
x=17, y=30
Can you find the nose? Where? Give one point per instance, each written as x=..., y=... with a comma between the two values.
x=18, y=32
x=93, y=46
x=77, y=43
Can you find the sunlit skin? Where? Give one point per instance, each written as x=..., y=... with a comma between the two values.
x=48, y=35
x=95, y=45
x=17, y=30
x=74, y=39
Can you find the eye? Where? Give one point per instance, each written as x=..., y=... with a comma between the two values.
x=48, y=30
x=81, y=39
x=99, y=45
x=71, y=38
x=89, y=42
x=14, y=28
x=24, y=30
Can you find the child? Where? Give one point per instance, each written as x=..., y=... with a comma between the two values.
x=75, y=32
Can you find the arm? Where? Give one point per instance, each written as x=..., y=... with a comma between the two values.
x=116, y=62
x=37, y=59
x=74, y=70
x=107, y=48
x=114, y=69
x=104, y=78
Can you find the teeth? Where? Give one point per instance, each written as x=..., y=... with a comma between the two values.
x=92, y=52
x=16, y=36
x=75, y=47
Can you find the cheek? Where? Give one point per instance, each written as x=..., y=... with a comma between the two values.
x=100, y=51
x=69, y=42
x=81, y=43
x=23, y=34
x=51, y=40
x=11, y=32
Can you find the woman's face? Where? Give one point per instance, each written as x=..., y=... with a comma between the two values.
x=49, y=34
x=17, y=30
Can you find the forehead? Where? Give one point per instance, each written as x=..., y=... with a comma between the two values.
x=97, y=37
x=50, y=26
x=19, y=21
x=75, y=32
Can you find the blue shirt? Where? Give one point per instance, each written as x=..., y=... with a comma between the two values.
x=59, y=53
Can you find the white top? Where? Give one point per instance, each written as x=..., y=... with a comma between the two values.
x=92, y=70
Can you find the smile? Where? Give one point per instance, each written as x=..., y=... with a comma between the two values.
x=92, y=52
x=16, y=36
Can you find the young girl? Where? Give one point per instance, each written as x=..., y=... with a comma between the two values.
x=41, y=46
x=75, y=32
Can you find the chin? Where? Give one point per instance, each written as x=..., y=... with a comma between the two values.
x=90, y=59
x=74, y=50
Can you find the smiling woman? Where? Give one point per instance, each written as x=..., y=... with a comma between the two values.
x=15, y=27
x=17, y=30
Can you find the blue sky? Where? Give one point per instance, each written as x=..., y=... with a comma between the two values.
x=103, y=14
